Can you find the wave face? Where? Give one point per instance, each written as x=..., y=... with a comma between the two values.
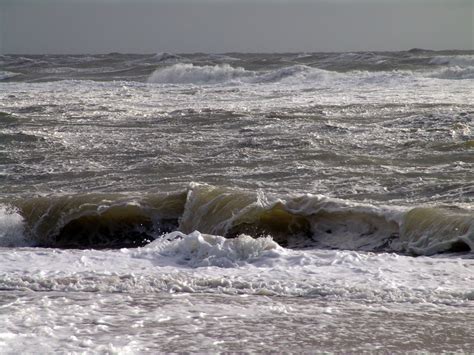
x=97, y=221
x=113, y=221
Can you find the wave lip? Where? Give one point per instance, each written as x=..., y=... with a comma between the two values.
x=327, y=223
x=99, y=221
x=429, y=231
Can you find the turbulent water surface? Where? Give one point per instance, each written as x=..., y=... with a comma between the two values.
x=237, y=202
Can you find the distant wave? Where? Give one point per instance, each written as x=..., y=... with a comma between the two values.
x=297, y=73
x=455, y=67
x=7, y=75
x=165, y=57
x=454, y=73
x=458, y=60
x=108, y=221
x=211, y=69
x=186, y=73
x=191, y=74
x=71, y=70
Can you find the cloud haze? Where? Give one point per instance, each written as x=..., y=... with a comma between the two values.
x=74, y=26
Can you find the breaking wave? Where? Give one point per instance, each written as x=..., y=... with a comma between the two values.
x=455, y=67
x=4, y=75
x=12, y=228
x=97, y=221
x=458, y=60
x=454, y=73
x=114, y=221
x=191, y=74
x=224, y=73
x=186, y=73
x=198, y=250
x=165, y=57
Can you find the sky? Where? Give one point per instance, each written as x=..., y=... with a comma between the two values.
x=218, y=26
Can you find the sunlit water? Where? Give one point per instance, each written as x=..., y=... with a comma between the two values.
x=331, y=195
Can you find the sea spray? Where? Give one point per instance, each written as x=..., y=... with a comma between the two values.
x=12, y=228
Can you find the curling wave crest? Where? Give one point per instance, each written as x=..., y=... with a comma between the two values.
x=231, y=216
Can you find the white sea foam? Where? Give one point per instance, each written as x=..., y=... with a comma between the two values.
x=199, y=250
x=358, y=135
x=196, y=263
x=454, y=73
x=12, y=230
x=195, y=281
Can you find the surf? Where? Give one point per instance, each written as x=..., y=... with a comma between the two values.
x=305, y=221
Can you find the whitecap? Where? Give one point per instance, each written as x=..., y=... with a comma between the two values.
x=12, y=229
x=198, y=249
x=190, y=74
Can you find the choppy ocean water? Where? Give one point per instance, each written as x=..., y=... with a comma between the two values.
x=237, y=202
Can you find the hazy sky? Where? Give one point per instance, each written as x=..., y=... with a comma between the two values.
x=150, y=26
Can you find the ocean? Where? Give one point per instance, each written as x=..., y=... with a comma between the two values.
x=292, y=202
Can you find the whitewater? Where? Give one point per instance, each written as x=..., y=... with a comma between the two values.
x=298, y=202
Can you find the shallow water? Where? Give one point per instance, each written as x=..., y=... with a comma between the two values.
x=121, y=323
